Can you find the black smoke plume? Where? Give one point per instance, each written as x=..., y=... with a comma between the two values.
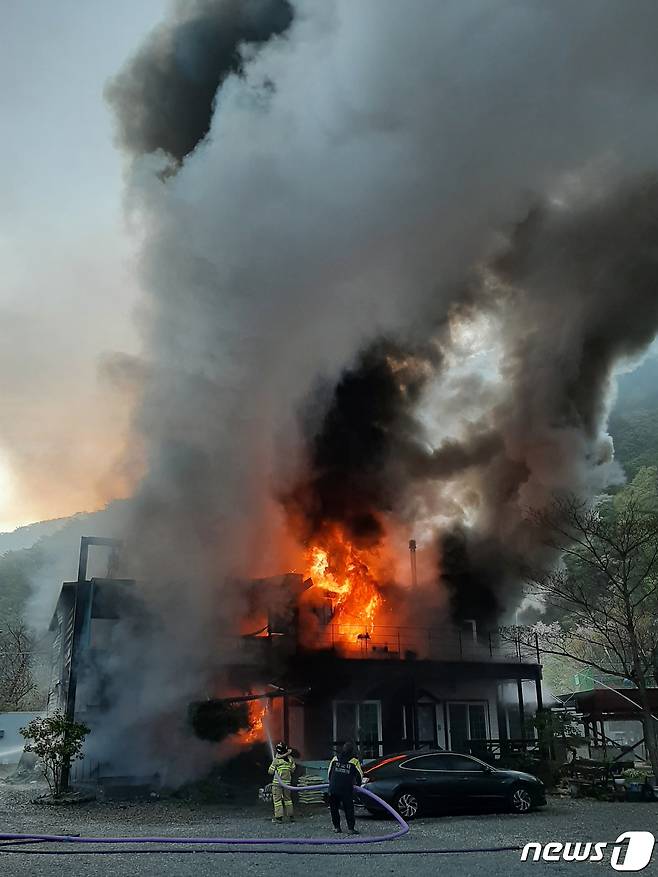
x=366, y=432
x=365, y=445
x=574, y=291
x=360, y=173
x=165, y=96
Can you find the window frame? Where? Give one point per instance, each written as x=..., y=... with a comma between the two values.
x=468, y=704
x=379, y=743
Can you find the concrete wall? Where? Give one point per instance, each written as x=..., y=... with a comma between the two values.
x=11, y=742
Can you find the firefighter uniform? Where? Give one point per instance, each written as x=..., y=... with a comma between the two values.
x=281, y=770
x=345, y=772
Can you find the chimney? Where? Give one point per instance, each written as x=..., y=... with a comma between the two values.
x=412, y=554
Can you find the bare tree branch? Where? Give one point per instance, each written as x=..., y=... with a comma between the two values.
x=16, y=679
x=606, y=593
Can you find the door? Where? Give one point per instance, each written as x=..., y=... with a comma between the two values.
x=433, y=778
x=458, y=719
x=369, y=728
x=467, y=722
x=426, y=712
x=360, y=722
x=473, y=780
x=345, y=721
x=477, y=728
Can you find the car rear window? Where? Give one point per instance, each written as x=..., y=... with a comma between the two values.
x=461, y=762
x=425, y=762
x=441, y=762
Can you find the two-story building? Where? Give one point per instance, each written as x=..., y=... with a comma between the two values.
x=387, y=688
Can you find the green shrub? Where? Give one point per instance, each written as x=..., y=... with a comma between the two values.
x=56, y=741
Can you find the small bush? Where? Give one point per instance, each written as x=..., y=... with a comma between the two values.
x=56, y=741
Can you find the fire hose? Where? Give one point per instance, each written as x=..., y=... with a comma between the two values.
x=12, y=843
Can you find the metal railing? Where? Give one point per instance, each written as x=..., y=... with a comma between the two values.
x=496, y=747
x=392, y=643
x=415, y=643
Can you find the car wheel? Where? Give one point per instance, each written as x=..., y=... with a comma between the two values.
x=407, y=805
x=520, y=799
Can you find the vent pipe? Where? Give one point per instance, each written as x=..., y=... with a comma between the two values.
x=412, y=555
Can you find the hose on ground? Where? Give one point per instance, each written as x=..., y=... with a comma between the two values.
x=232, y=841
x=13, y=843
x=294, y=852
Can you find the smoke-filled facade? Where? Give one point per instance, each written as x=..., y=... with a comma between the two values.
x=392, y=254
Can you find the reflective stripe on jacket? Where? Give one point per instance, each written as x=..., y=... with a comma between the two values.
x=283, y=765
x=344, y=774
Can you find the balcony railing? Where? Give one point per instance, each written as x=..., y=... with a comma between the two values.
x=387, y=643
x=415, y=643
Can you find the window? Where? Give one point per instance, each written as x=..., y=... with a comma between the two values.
x=360, y=721
x=446, y=762
x=426, y=762
x=462, y=763
x=467, y=721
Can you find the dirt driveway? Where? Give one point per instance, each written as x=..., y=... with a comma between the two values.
x=562, y=820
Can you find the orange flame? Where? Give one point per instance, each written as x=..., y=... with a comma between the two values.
x=256, y=731
x=345, y=572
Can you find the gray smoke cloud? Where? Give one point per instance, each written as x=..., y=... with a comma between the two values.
x=571, y=295
x=375, y=172
x=165, y=96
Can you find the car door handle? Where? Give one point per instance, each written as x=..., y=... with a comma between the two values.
x=421, y=780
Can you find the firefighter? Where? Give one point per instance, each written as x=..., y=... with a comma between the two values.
x=345, y=772
x=281, y=770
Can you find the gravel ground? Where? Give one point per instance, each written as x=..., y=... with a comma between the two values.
x=561, y=820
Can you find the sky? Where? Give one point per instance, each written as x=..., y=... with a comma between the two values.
x=69, y=295
x=68, y=291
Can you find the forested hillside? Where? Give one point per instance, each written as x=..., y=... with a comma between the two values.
x=634, y=420
x=38, y=571
x=17, y=569
x=26, y=537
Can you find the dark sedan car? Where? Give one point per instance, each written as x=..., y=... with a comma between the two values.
x=415, y=782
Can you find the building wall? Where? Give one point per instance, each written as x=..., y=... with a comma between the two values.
x=465, y=692
x=452, y=704
x=11, y=741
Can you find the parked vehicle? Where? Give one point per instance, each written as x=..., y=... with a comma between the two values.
x=416, y=783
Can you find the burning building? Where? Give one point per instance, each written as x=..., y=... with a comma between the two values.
x=390, y=263
x=323, y=665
